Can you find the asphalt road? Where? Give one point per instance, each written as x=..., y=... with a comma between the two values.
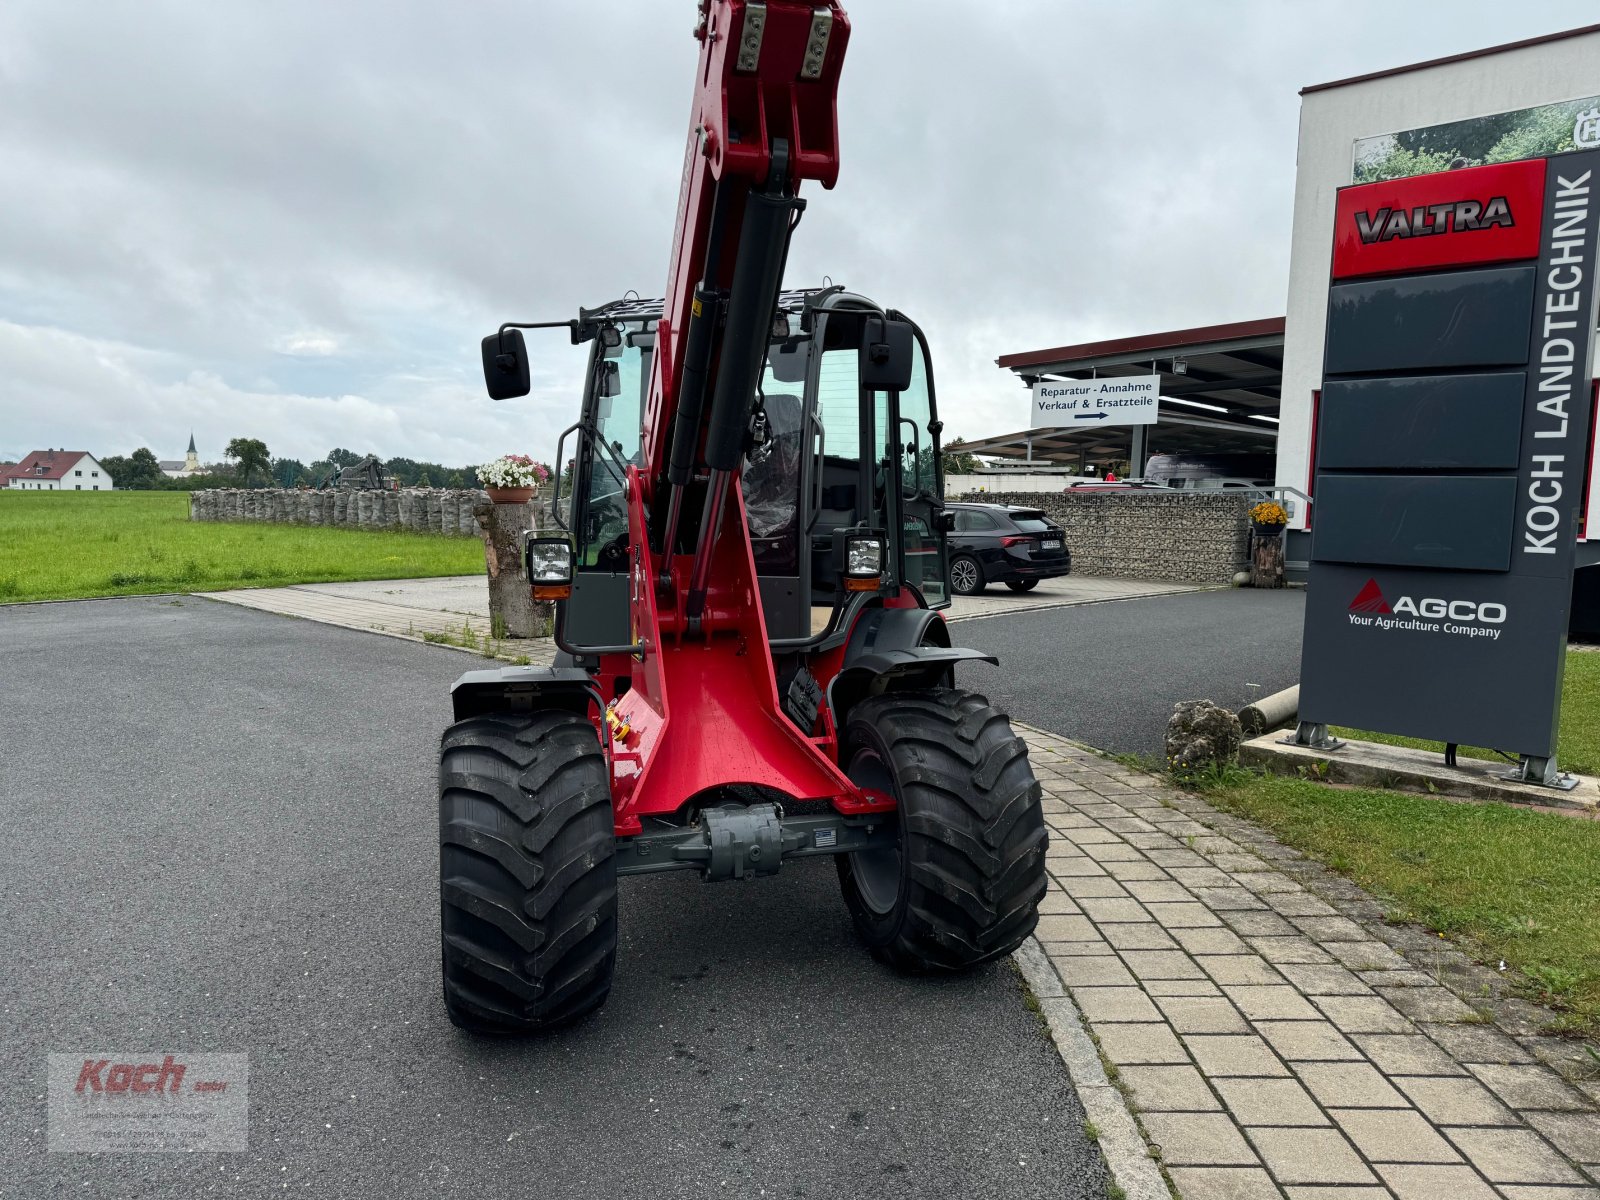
x=219, y=836
x=1109, y=674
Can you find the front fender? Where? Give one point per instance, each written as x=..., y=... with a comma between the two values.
x=524, y=689
x=900, y=668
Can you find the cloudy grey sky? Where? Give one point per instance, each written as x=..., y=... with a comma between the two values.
x=294, y=221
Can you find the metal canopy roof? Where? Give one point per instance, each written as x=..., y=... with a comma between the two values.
x=1067, y=446
x=1232, y=377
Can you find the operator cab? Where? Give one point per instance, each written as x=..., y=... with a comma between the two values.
x=835, y=453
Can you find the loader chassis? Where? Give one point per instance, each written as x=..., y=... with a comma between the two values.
x=754, y=668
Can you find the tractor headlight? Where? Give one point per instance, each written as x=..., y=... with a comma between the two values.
x=863, y=558
x=548, y=563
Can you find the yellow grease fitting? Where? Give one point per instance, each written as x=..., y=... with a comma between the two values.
x=619, y=727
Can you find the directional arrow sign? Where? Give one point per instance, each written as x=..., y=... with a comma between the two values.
x=1114, y=400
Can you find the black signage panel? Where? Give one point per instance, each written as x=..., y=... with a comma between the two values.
x=1450, y=456
x=1432, y=422
x=1435, y=655
x=1451, y=521
x=1477, y=318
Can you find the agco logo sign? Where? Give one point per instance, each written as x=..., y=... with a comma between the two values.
x=1458, y=618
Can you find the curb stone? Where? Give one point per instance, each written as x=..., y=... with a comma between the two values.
x=1121, y=1143
x=1048, y=606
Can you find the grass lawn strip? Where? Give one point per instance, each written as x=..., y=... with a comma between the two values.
x=1504, y=882
x=73, y=545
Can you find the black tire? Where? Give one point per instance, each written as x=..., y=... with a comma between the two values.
x=527, y=871
x=965, y=882
x=966, y=575
x=1022, y=585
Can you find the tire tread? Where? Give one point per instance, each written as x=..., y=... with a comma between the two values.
x=527, y=871
x=974, y=836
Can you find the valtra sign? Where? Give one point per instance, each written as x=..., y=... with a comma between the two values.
x=1475, y=215
x=1451, y=453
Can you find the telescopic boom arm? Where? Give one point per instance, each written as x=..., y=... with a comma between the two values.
x=764, y=119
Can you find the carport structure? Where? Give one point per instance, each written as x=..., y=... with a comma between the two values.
x=1220, y=391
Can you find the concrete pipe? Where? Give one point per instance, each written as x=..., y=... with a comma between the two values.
x=1270, y=712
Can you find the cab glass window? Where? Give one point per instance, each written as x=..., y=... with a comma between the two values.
x=621, y=376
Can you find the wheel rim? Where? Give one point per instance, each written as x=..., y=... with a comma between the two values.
x=876, y=872
x=964, y=575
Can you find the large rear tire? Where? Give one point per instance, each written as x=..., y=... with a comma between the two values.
x=527, y=871
x=963, y=884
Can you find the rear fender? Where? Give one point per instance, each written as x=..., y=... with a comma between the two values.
x=525, y=689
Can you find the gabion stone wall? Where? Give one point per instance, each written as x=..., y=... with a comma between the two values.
x=420, y=510
x=1175, y=536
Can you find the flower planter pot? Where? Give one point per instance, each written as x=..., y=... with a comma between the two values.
x=504, y=495
x=1263, y=530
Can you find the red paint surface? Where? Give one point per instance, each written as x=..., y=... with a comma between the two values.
x=1585, y=525
x=704, y=710
x=1519, y=184
x=731, y=122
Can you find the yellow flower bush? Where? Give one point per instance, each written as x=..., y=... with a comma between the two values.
x=1269, y=512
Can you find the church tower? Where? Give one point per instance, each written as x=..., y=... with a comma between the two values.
x=191, y=460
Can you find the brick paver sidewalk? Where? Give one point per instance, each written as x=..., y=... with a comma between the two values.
x=1271, y=1034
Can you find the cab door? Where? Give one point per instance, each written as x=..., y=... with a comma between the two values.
x=875, y=462
x=915, y=442
x=599, y=613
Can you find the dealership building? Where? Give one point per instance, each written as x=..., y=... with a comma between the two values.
x=1248, y=390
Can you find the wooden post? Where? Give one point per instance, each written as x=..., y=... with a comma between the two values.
x=512, y=608
x=1266, y=560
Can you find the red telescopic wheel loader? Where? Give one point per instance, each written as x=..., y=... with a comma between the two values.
x=748, y=562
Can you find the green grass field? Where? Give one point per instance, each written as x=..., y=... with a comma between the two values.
x=1505, y=882
x=1578, y=745
x=70, y=545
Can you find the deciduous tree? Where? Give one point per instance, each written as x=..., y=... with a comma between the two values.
x=956, y=459
x=139, y=471
x=251, y=455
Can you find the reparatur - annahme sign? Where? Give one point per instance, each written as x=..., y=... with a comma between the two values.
x=1080, y=403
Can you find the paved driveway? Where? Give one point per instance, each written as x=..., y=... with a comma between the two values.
x=456, y=607
x=226, y=842
x=1109, y=674
x=469, y=596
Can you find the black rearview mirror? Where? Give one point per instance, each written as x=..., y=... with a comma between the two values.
x=788, y=363
x=887, y=348
x=505, y=365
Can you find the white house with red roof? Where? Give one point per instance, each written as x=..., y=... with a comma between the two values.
x=57, y=471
